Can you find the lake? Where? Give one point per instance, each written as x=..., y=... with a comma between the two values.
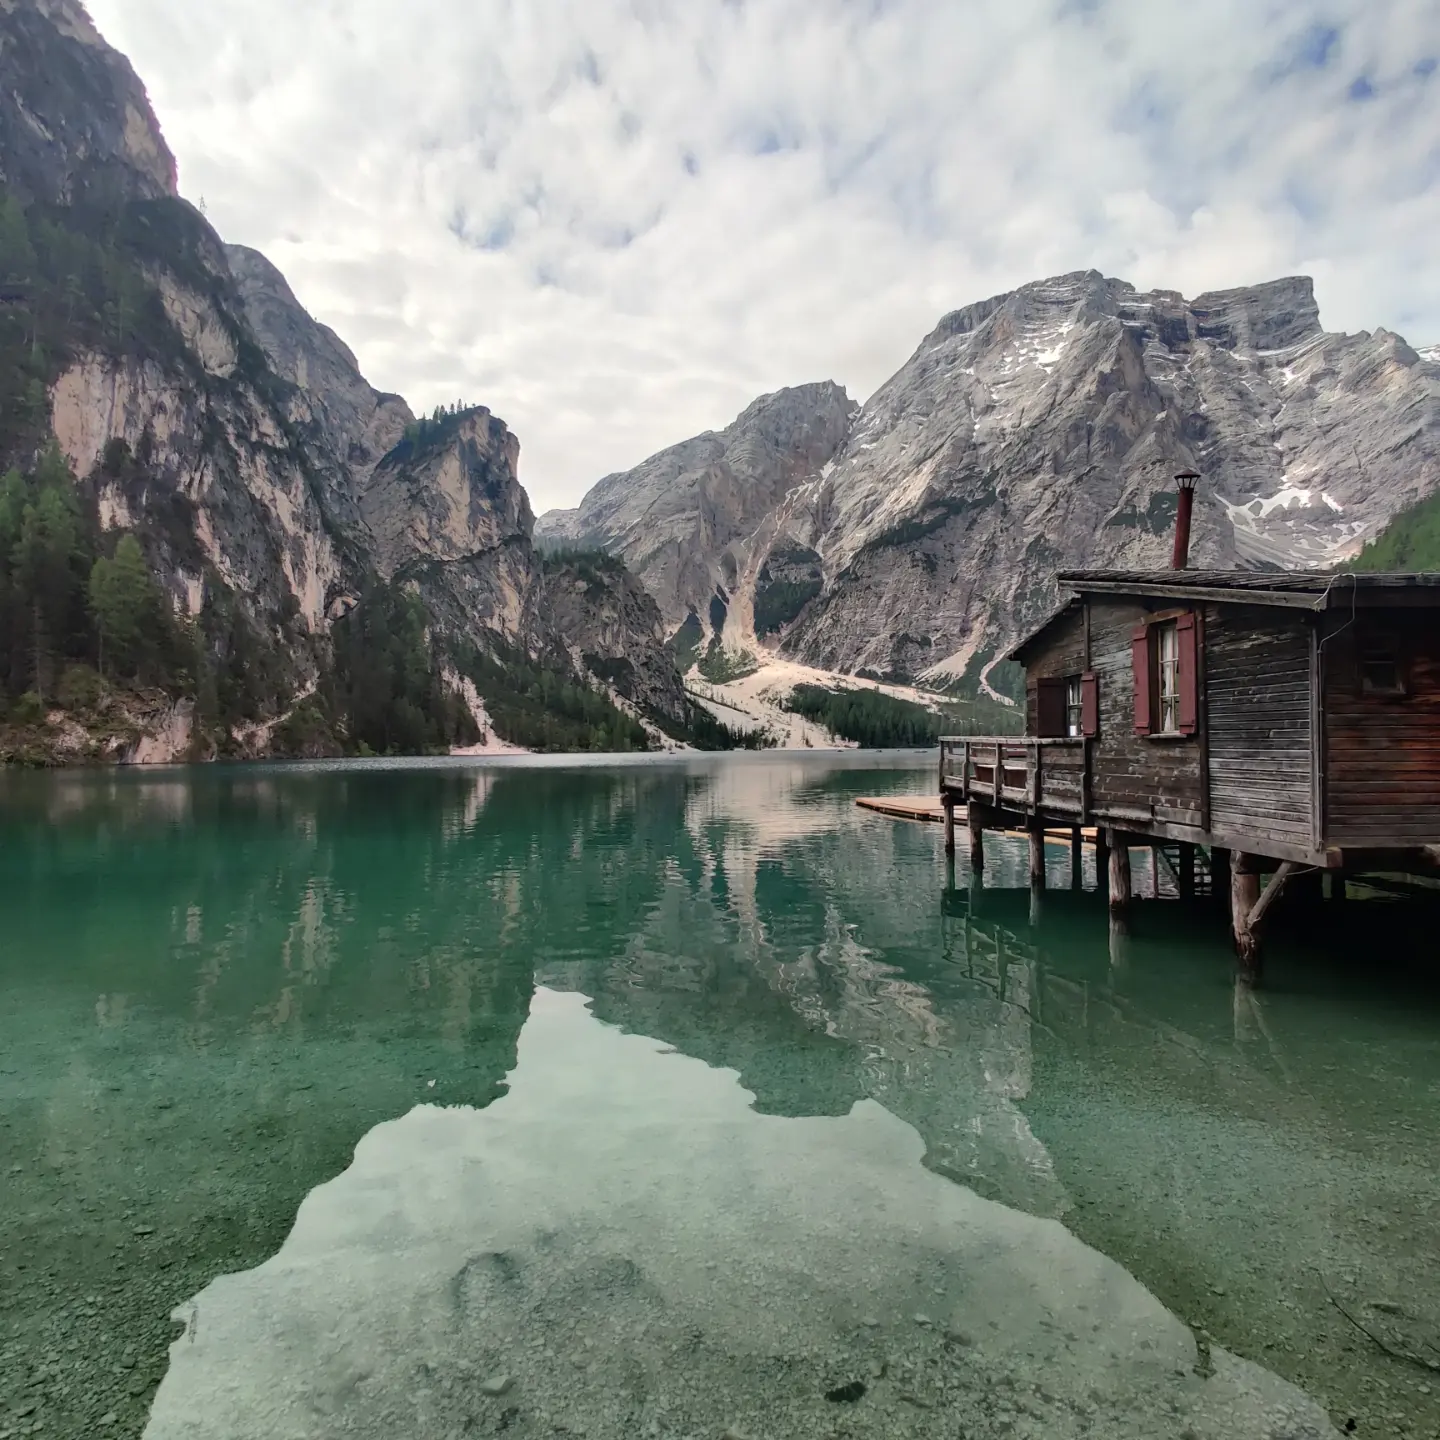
x=682, y=1098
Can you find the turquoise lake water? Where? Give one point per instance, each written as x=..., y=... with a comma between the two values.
x=682, y=1098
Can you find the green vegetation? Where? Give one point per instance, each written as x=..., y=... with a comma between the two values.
x=432, y=429
x=385, y=693
x=64, y=600
x=60, y=288
x=541, y=708
x=719, y=667
x=872, y=720
x=788, y=581
x=705, y=732
x=597, y=568
x=1411, y=541
x=876, y=721
x=1158, y=518
x=686, y=643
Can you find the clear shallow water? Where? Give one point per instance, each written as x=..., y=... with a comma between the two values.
x=215, y=984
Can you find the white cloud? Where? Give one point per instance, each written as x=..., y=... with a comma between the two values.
x=616, y=221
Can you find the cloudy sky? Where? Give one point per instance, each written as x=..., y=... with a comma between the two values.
x=615, y=222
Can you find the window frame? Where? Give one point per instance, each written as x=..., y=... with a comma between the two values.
x=1394, y=656
x=1075, y=706
x=1184, y=668
x=1166, y=703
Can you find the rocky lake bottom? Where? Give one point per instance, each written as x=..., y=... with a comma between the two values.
x=682, y=1098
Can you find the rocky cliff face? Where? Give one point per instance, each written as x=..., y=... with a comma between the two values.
x=1039, y=430
x=690, y=520
x=613, y=631
x=75, y=122
x=342, y=415
x=206, y=411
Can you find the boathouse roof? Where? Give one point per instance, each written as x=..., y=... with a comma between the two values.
x=1303, y=590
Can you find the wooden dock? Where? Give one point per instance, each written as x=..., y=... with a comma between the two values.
x=904, y=807
x=923, y=808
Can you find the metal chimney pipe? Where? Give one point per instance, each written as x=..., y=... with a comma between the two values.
x=1186, y=480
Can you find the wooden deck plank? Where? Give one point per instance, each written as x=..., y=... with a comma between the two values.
x=923, y=808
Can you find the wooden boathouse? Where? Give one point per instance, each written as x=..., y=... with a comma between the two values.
x=1242, y=723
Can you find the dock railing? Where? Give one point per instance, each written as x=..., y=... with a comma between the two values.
x=1016, y=772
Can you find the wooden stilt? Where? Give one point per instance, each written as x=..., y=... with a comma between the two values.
x=1244, y=899
x=1337, y=885
x=975, y=823
x=1077, y=858
x=1154, y=872
x=1037, y=855
x=1187, y=872
x=1220, y=875
x=1102, y=860
x=949, y=825
x=1119, y=871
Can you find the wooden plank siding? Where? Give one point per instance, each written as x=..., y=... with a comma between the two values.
x=1159, y=778
x=1133, y=777
x=1316, y=733
x=1258, y=707
x=1382, y=753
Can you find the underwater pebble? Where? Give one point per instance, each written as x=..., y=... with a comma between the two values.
x=499, y=1385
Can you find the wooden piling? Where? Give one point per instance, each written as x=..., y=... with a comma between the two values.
x=1337, y=885
x=1220, y=875
x=975, y=823
x=1037, y=855
x=949, y=826
x=1119, y=871
x=1244, y=897
x=1187, y=871
x=1102, y=860
x=1077, y=858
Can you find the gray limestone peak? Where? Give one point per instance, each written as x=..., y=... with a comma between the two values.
x=1040, y=429
x=357, y=423
x=1031, y=431
x=686, y=519
x=76, y=121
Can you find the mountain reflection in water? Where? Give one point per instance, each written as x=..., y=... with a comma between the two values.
x=220, y=982
x=622, y=1246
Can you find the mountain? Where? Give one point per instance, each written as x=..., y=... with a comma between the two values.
x=691, y=520
x=1038, y=430
x=253, y=551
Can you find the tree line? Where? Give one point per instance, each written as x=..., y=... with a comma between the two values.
x=70, y=597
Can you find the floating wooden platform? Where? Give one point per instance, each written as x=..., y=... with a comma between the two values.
x=923, y=807
x=904, y=807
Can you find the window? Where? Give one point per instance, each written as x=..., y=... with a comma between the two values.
x=1380, y=669
x=1065, y=706
x=1165, y=662
x=1167, y=677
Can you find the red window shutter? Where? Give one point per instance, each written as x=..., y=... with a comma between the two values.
x=1089, y=704
x=1188, y=634
x=1140, y=665
x=1049, y=708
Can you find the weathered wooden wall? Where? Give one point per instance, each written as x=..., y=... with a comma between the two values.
x=1258, y=713
x=1063, y=654
x=1134, y=776
x=1382, y=754
x=1161, y=777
